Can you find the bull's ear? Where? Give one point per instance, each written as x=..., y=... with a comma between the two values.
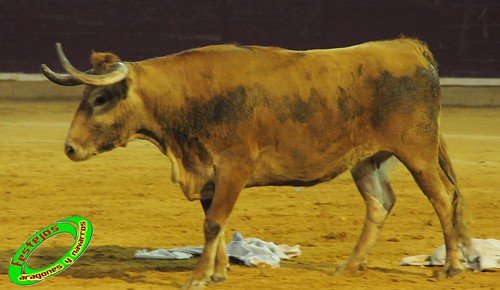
x=115, y=73
x=103, y=61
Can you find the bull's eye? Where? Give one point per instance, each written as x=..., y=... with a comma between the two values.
x=100, y=101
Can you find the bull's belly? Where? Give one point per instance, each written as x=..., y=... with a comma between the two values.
x=286, y=176
x=298, y=169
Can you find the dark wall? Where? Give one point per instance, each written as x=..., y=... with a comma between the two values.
x=464, y=35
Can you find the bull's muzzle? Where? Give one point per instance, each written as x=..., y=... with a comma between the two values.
x=76, y=153
x=69, y=150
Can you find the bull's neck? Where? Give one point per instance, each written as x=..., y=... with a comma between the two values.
x=154, y=138
x=166, y=86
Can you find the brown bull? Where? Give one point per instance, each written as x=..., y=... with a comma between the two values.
x=230, y=117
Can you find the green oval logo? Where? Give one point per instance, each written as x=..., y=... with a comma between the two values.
x=80, y=228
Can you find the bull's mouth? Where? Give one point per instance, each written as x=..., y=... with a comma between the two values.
x=110, y=146
x=80, y=156
x=106, y=147
x=77, y=153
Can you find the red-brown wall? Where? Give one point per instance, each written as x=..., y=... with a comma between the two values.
x=464, y=35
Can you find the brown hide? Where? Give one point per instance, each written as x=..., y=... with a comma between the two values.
x=295, y=117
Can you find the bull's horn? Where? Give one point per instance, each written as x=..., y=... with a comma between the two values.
x=118, y=71
x=60, y=79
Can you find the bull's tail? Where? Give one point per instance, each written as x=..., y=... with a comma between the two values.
x=457, y=204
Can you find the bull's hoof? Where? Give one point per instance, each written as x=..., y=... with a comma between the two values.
x=220, y=275
x=448, y=272
x=350, y=269
x=195, y=285
x=452, y=272
x=218, y=278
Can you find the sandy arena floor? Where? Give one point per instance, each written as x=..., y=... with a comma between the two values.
x=128, y=196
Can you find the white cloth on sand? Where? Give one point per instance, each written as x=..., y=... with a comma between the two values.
x=484, y=256
x=251, y=251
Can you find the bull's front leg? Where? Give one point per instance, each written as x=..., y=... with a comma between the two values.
x=221, y=259
x=229, y=181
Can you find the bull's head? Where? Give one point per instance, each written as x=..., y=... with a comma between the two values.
x=108, y=116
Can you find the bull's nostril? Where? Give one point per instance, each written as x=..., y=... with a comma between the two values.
x=69, y=149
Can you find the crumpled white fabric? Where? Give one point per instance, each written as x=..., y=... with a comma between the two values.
x=256, y=252
x=163, y=254
x=484, y=256
x=251, y=251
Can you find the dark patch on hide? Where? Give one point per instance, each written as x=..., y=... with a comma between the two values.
x=323, y=70
x=193, y=151
x=433, y=101
x=106, y=137
x=360, y=70
x=105, y=147
x=403, y=95
x=300, y=110
x=313, y=94
x=348, y=106
x=201, y=119
x=229, y=108
x=207, y=193
x=284, y=61
x=211, y=228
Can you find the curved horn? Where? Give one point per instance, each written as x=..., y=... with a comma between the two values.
x=118, y=71
x=60, y=79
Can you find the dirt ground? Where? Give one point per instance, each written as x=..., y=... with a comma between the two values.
x=128, y=196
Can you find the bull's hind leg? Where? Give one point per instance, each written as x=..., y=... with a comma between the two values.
x=371, y=179
x=439, y=189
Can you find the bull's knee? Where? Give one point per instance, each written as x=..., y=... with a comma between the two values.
x=211, y=229
x=376, y=212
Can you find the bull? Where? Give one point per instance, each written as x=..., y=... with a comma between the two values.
x=230, y=117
